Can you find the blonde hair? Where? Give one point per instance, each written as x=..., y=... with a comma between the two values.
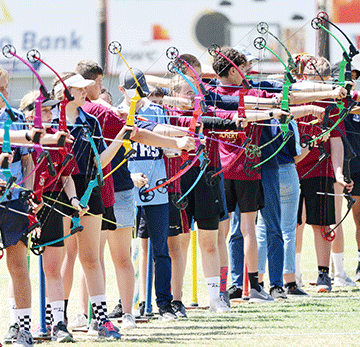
x=3, y=72
x=29, y=99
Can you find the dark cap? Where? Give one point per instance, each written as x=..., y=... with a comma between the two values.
x=126, y=80
x=335, y=68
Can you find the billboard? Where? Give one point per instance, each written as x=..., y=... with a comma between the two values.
x=147, y=28
x=63, y=31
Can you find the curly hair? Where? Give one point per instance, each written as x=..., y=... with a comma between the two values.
x=221, y=66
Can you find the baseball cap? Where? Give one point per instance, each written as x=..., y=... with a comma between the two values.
x=76, y=81
x=247, y=53
x=126, y=80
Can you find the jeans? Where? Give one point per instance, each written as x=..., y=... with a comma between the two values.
x=236, y=249
x=157, y=219
x=289, y=198
x=268, y=231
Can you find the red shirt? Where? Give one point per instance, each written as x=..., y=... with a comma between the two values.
x=325, y=169
x=70, y=169
x=110, y=124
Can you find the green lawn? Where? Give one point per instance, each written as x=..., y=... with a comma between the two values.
x=320, y=320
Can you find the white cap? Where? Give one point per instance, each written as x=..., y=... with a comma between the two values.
x=76, y=81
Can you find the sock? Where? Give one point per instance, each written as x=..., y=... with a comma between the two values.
x=213, y=284
x=24, y=318
x=66, y=301
x=48, y=313
x=359, y=256
x=57, y=308
x=223, y=278
x=254, y=280
x=98, y=304
x=12, y=311
x=323, y=270
x=338, y=261
x=297, y=265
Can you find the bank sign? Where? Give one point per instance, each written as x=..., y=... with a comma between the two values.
x=64, y=32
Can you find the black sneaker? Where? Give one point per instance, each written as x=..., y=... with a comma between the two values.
x=116, y=312
x=278, y=293
x=11, y=335
x=235, y=292
x=60, y=333
x=357, y=274
x=167, y=313
x=179, y=308
x=294, y=290
x=142, y=308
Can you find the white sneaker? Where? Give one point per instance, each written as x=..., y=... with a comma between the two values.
x=79, y=321
x=219, y=306
x=299, y=281
x=24, y=339
x=343, y=281
x=260, y=297
x=128, y=321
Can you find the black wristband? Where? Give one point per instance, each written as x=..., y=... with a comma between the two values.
x=74, y=197
x=271, y=114
x=27, y=137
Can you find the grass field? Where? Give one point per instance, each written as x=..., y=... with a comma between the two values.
x=319, y=320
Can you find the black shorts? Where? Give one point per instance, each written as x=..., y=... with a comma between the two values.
x=108, y=218
x=52, y=227
x=320, y=209
x=142, y=230
x=96, y=203
x=356, y=178
x=13, y=226
x=204, y=201
x=175, y=220
x=249, y=195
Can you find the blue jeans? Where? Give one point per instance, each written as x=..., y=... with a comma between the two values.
x=236, y=249
x=157, y=218
x=289, y=198
x=268, y=231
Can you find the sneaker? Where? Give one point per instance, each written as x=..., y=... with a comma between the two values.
x=142, y=308
x=117, y=311
x=179, y=308
x=225, y=297
x=128, y=321
x=24, y=339
x=323, y=283
x=343, y=281
x=79, y=321
x=278, y=293
x=260, y=297
x=294, y=290
x=93, y=327
x=235, y=292
x=108, y=331
x=61, y=334
x=11, y=335
x=167, y=313
x=218, y=305
x=357, y=274
x=299, y=281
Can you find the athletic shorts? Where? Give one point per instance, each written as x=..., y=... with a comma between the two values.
x=109, y=219
x=124, y=208
x=175, y=220
x=249, y=195
x=96, y=203
x=356, y=178
x=13, y=226
x=142, y=229
x=204, y=201
x=52, y=227
x=320, y=209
